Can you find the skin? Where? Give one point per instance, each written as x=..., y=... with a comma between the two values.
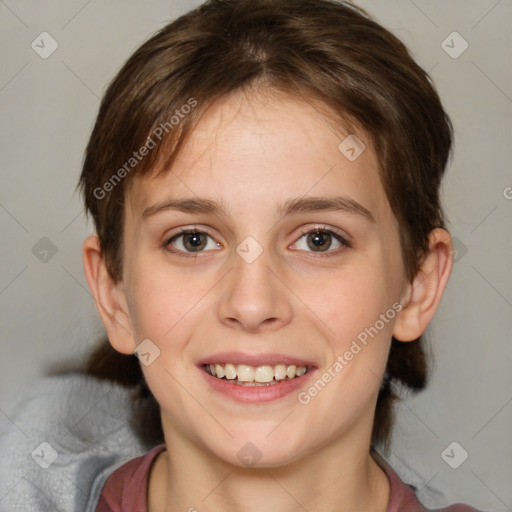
x=254, y=151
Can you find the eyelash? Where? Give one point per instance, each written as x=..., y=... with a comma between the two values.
x=343, y=241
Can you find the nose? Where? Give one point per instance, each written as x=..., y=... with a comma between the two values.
x=255, y=297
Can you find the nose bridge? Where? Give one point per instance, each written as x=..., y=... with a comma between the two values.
x=254, y=295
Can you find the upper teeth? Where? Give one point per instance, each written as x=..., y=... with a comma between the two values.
x=263, y=373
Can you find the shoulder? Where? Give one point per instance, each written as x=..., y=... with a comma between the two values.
x=64, y=437
x=126, y=488
x=403, y=497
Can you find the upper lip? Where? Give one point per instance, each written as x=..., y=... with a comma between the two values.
x=254, y=359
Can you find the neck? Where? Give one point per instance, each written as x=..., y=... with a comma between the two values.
x=341, y=476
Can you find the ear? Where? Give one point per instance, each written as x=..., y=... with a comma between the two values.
x=426, y=290
x=109, y=297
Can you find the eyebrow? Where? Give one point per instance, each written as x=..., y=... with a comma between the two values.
x=291, y=206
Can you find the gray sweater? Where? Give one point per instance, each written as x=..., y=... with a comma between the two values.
x=68, y=433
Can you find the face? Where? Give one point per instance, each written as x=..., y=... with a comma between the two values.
x=270, y=276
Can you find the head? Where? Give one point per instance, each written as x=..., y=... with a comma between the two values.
x=249, y=103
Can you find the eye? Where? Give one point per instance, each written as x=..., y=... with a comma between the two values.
x=190, y=240
x=320, y=240
x=317, y=240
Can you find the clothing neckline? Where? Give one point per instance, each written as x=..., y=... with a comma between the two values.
x=399, y=492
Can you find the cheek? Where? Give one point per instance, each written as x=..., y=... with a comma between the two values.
x=159, y=301
x=348, y=302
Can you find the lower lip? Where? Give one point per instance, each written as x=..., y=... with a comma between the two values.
x=254, y=394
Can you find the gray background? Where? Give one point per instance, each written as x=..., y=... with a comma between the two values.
x=48, y=319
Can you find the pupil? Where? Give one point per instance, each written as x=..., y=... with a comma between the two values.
x=194, y=239
x=319, y=239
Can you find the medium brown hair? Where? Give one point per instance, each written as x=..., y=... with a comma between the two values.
x=327, y=52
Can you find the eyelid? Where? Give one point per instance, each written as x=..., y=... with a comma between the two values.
x=323, y=227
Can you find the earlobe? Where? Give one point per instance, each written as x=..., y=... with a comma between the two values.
x=426, y=290
x=109, y=297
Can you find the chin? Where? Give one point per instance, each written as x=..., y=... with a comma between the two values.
x=259, y=450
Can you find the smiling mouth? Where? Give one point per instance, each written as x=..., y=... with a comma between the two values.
x=265, y=375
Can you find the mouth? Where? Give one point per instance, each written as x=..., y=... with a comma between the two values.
x=256, y=376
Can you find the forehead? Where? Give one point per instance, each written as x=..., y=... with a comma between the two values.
x=267, y=147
